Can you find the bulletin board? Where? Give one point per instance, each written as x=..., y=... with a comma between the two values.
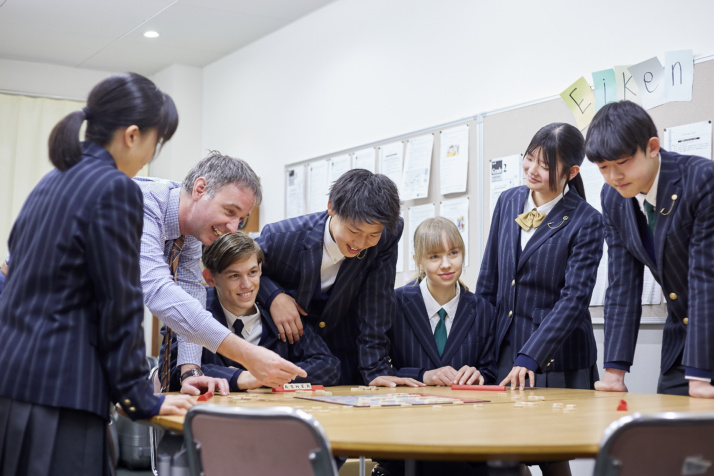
x=502, y=133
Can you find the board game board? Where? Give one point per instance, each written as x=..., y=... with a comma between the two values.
x=390, y=400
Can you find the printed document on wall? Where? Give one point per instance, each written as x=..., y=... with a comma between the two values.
x=457, y=210
x=690, y=139
x=338, y=166
x=295, y=196
x=364, y=159
x=454, y=159
x=417, y=215
x=317, y=186
x=506, y=173
x=417, y=167
x=391, y=157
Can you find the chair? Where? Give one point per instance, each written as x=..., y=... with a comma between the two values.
x=278, y=440
x=155, y=434
x=660, y=443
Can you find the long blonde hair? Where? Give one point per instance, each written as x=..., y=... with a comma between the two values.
x=429, y=238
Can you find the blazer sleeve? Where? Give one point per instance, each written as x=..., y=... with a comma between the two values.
x=585, y=252
x=375, y=310
x=487, y=283
x=268, y=288
x=311, y=354
x=623, y=297
x=113, y=238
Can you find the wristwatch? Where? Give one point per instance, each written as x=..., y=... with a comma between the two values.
x=190, y=373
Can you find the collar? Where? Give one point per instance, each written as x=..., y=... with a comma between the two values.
x=171, y=224
x=546, y=207
x=329, y=245
x=248, y=321
x=432, y=307
x=650, y=196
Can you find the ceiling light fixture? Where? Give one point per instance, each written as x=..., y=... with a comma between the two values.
x=151, y=34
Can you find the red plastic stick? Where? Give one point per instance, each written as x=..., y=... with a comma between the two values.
x=205, y=396
x=492, y=388
x=622, y=407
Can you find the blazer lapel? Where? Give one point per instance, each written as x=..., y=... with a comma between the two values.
x=558, y=218
x=346, y=277
x=463, y=320
x=310, y=259
x=415, y=314
x=668, y=191
x=513, y=230
x=632, y=233
x=217, y=309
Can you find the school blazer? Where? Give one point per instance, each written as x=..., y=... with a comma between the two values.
x=470, y=340
x=544, y=291
x=72, y=308
x=310, y=353
x=683, y=264
x=360, y=308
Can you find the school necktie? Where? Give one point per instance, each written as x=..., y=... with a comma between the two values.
x=165, y=370
x=440, y=331
x=651, y=216
x=531, y=219
x=238, y=328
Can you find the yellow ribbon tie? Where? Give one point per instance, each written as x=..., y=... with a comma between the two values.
x=531, y=219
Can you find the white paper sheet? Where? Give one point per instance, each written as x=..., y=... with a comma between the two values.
x=506, y=172
x=593, y=182
x=338, y=166
x=648, y=75
x=364, y=159
x=454, y=159
x=457, y=210
x=678, y=75
x=690, y=139
x=295, y=199
x=626, y=85
x=317, y=186
x=391, y=158
x=417, y=215
x=417, y=167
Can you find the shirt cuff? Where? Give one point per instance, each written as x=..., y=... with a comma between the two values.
x=189, y=354
x=157, y=408
x=693, y=373
x=524, y=361
x=617, y=365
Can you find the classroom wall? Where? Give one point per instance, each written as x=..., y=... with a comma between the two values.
x=358, y=71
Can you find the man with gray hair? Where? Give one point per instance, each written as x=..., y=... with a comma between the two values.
x=216, y=197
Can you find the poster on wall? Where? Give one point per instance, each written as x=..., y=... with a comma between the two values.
x=417, y=167
x=338, y=166
x=454, y=159
x=317, y=186
x=295, y=196
x=417, y=215
x=364, y=159
x=690, y=139
x=506, y=172
x=391, y=158
x=457, y=210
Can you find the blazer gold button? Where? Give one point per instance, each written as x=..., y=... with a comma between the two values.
x=674, y=197
x=322, y=325
x=132, y=409
x=673, y=296
x=510, y=313
x=127, y=402
x=548, y=364
x=513, y=283
x=685, y=321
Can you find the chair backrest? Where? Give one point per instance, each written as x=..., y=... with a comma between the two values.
x=278, y=440
x=661, y=443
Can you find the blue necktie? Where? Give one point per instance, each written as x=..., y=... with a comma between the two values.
x=238, y=328
x=651, y=216
x=440, y=331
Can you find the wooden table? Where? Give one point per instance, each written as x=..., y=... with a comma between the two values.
x=495, y=431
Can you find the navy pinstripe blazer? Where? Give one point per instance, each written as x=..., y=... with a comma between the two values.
x=470, y=340
x=71, y=312
x=309, y=353
x=684, y=267
x=544, y=292
x=360, y=308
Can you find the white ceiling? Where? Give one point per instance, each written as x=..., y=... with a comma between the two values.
x=107, y=35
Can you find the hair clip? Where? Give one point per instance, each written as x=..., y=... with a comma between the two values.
x=674, y=199
x=550, y=224
x=362, y=254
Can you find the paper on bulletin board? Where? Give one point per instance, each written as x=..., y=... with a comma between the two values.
x=651, y=291
x=454, y=159
x=295, y=197
x=391, y=158
x=417, y=167
x=626, y=86
x=648, y=77
x=457, y=210
x=506, y=172
x=364, y=159
x=690, y=139
x=338, y=166
x=678, y=75
x=605, y=87
x=580, y=99
x=417, y=215
x=317, y=186
x=592, y=183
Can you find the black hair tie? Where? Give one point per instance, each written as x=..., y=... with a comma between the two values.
x=87, y=113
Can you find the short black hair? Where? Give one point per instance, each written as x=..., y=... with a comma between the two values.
x=362, y=196
x=229, y=248
x=618, y=130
